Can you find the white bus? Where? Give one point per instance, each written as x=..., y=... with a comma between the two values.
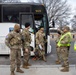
x=21, y=13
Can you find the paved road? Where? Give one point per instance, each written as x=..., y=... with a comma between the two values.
x=40, y=70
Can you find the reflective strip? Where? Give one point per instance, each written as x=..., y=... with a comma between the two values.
x=75, y=47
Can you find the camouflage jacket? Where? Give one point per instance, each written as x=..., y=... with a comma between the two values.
x=65, y=40
x=26, y=37
x=40, y=38
x=13, y=40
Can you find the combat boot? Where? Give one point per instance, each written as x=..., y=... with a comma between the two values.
x=19, y=70
x=58, y=62
x=65, y=69
x=25, y=66
x=63, y=65
x=12, y=73
x=28, y=64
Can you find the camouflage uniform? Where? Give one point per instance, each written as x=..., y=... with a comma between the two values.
x=26, y=45
x=13, y=41
x=58, y=61
x=64, y=44
x=40, y=39
x=64, y=51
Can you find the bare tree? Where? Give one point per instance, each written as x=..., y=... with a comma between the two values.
x=73, y=23
x=57, y=10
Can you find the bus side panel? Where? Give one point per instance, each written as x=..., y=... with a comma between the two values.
x=0, y=13
x=4, y=50
x=4, y=30
x=48, y=45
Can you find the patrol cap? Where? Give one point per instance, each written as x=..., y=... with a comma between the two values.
x=66, y=27
x=27, y=24
x=16, y=27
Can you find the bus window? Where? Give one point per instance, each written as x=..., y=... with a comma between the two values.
x=38, y=23
x=27, y=18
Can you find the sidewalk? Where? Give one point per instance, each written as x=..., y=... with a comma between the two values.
x=40, y=70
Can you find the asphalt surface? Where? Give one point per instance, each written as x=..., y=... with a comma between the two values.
x=39, y=70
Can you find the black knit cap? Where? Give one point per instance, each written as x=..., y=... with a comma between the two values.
x=27, y=24
x=41, y=27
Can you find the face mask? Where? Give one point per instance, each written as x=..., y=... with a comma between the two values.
x=17, y=31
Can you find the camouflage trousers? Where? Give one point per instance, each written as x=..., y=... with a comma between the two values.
x=39, y=52
x=58, y=53
x=26, y=55
x=64, y=53
x=15, y=59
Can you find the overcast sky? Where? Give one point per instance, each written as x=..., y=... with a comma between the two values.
x=73, y=6
x=72, y=3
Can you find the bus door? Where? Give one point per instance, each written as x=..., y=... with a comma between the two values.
x=28, y=17
x=41, y=20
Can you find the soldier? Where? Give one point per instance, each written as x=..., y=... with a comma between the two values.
x=64, y=44
x=13, y=41
x=58, y=61
x=26, y=45
x=40, y=43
